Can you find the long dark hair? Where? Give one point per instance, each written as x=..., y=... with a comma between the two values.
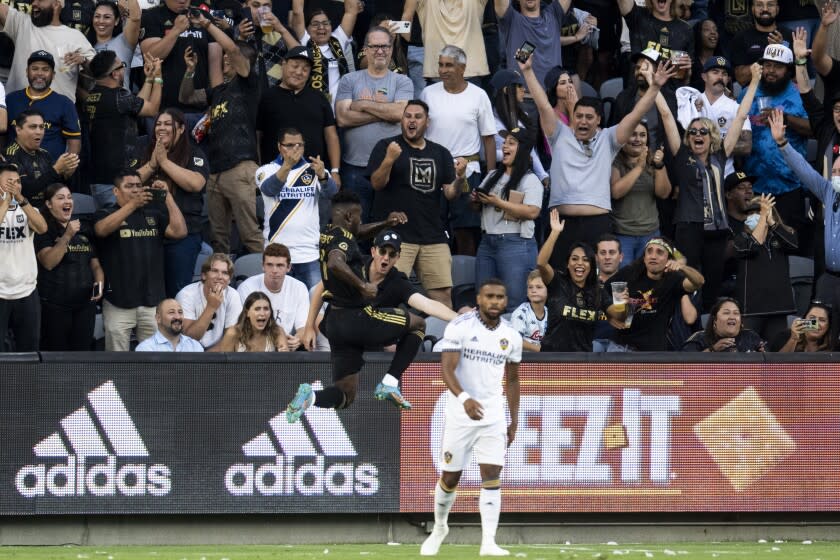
x=624, y=158
x=246, y=329
x=698, y=41
x=709, y=334
x=509, y=111
x=521, y=166
x=179, y=152
x=50, y=192
x=550, y=82
x=829, y=339
x=590, y=285
x=91, y=34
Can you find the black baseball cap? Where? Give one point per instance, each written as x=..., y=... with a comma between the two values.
x=734, y=179
x=41, y=56
x=717, y=62
x=521, y=135
x=299, y=52
x=388, y=237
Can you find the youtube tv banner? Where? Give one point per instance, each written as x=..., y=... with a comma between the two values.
x=657, y=437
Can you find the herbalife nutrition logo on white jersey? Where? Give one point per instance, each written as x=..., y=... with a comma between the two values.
x=311, y=457
x=87, y=448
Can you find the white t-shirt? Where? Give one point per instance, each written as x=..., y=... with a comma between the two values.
x=290, y=304
x=722, y=113
x=2, y=96
x=19, y=272
x=481, y=367
x=191, y=298
x=29, y=39
x=578, y=178
x=333, y=74
x=291, y=217
x=457, y=121
x=525, y=321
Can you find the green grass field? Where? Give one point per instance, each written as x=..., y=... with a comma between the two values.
x=781, y=550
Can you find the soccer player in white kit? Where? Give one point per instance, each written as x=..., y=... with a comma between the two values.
x=479, y=349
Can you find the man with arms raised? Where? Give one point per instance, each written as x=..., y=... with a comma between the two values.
x=478, y=350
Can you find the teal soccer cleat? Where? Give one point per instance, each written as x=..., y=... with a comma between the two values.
x=392, y=394
x=304, y=398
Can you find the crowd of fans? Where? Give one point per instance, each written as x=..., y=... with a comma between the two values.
x=658, y=215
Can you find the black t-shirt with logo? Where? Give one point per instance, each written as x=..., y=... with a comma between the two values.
x=334, y=238
x=112, y=117
x=191, y=203
x=233, y=128
x=157, y=23
x=648, y=31
x=78, y=14
x=36, y=171
x=307, y=111
x=748, y=46
x=132, y=257
x=572, y=313
x=414, y=187
x=70, y=282
x=654, y=303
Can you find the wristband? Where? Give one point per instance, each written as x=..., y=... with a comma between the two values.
x=159, y=80
x=23, y=203
x=464, y=397
x=659, y=166
x=801, y=61
x=334, y=170
x=782, y=144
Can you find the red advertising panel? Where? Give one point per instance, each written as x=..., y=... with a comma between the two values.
x=607, y=437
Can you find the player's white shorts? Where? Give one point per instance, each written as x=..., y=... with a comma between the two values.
x=487, y=441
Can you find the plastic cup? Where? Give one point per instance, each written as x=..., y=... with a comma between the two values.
x=265, y=25
x=765, y=103
x=619, y=293
x=62, y=51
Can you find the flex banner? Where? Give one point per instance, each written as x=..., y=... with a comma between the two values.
x=188, y=438
x=618, y=437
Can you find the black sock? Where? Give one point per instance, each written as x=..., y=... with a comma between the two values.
x=331, y=397
x=406, y=352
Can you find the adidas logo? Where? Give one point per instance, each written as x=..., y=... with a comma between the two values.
x=103, y=429
x=310, y=459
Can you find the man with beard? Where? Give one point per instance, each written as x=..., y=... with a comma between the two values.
x=625, y=101
x=777, y=91
x=748, y=46
x=657, y=25
x=408, y=174
x=62, y=132
x=211, y=305
x=720, y=109
x=169, y=317
x=37, y=168
x=43, y=30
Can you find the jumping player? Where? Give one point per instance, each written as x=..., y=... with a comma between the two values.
x=478, y=350
x=351, y=322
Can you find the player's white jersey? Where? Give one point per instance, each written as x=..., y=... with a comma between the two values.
x=481, y=367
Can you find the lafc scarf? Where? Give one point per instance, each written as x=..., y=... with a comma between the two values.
x=319, y=78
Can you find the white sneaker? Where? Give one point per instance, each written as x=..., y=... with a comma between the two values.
x=431, y=545
x=492, y=549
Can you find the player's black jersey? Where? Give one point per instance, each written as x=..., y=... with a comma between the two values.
x=334, y=238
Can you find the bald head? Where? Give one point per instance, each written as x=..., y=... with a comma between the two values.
x=170, y=317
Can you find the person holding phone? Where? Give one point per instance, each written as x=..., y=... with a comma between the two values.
x=182, y=168
x=70, y=278
x=815, y=332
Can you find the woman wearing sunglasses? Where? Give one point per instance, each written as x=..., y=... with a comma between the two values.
x=702, y=228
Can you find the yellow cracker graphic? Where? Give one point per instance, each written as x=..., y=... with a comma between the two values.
x=744, y=439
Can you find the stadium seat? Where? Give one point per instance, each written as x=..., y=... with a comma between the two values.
x=247, y=266
x=83, y=205
x=463, y=281
x=587, y=90
x=203, y=254
x=609, y=91
x=801, y=281
x=811, y=150
x=434, y=332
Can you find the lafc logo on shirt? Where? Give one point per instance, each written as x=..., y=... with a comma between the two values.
x=422, y=174
x=151, y=221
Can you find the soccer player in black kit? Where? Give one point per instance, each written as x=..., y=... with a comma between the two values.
x=351, y=322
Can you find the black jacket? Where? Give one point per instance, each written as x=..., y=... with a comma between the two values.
x=762, y=284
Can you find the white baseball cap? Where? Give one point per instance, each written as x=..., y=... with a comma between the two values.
x=778, y=53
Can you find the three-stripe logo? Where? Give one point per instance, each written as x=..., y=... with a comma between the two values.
x=102, y=429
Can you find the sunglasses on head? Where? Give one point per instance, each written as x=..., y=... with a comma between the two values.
x=384, y=251
x=701, y=131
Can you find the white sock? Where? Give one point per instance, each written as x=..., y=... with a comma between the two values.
x=390, y=380
x=490, y=505
x=443, y=503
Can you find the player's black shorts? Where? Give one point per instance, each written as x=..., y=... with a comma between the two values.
x=352, y=330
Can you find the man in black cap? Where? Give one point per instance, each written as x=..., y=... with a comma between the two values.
x=62, y=132
x=738, y=193
x=721, y=109
x=629, y=96
x=408, y=173
x=291, y=104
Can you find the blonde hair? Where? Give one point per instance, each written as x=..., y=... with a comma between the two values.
x=714, y=133
x=534, y=274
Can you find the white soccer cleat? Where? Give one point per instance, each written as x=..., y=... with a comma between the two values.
x=431, y=545
x=492, y=549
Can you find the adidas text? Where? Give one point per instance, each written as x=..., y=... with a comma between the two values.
x=284, y=478
x=76, y=478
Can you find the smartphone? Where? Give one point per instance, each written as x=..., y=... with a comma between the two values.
x=401, y=26
x=525, y=51
x=810, y=324
x=97, y=290
x=194, y=12
x=158, y=195
x=246, y=14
